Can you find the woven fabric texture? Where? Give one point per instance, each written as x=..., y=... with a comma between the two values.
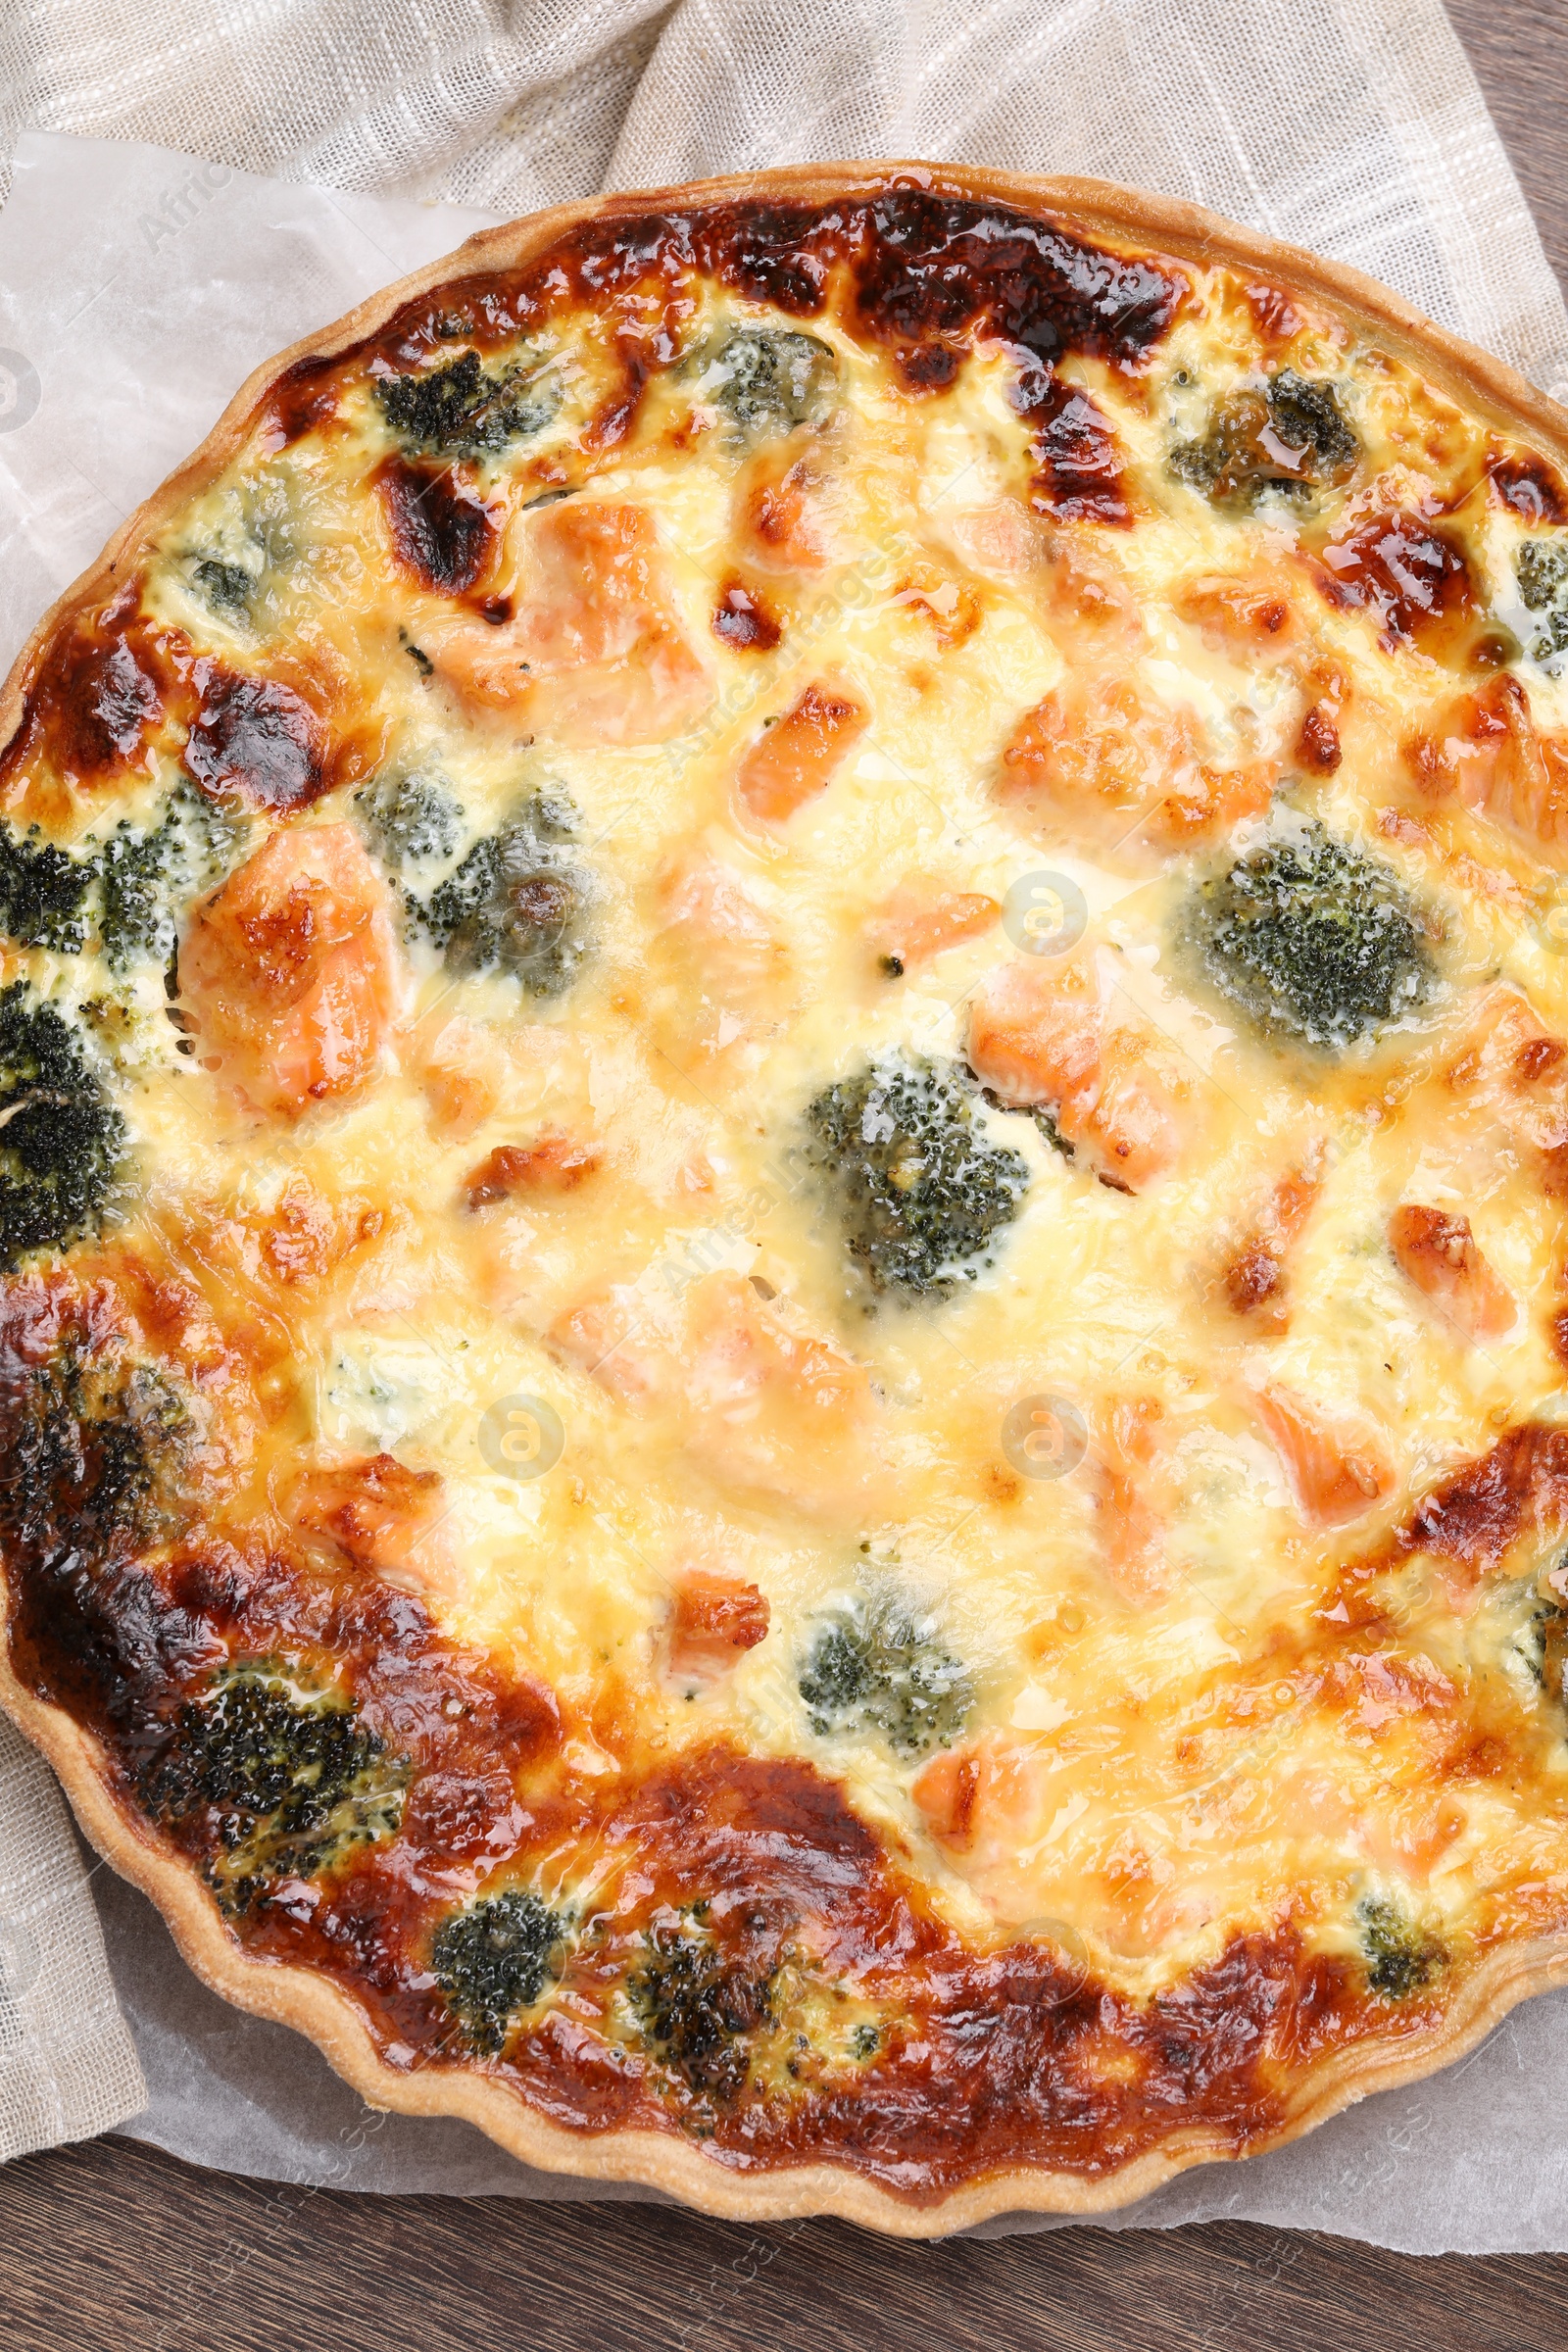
x=1353, y=126
x=68, y=2064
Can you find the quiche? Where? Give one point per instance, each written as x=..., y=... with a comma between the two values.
x=783, y=1144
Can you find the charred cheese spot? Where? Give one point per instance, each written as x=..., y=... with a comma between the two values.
x=256, y=741
x=743, y=621
x=442, y=531
x=88, y=715
x=1410, y=575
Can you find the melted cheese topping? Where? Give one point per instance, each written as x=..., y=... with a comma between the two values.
x=566, y=1253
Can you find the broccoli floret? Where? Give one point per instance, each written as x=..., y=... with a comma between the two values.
x=1292, y=436
x=518, y=902
x=412, y=819
x=921, y=1187
x=135, y=881
x=768, y=381
x=284, y=1784
x=1311, y=939
x=1305, y=414
x=148, y=874
x=876, y=1669
x=1533, y=1630
x=1541, y=570
x=97, y=1463
x=137, y=921
x=461, y=411
x=493, y=1959
x=1552, y=1629
x=226, y=587
x=699, y=2012
x=256, y=529
x=43, y=891
x=59, y=1136
x=1400, y=1957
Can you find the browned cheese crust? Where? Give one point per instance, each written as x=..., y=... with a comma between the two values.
x=534, y=789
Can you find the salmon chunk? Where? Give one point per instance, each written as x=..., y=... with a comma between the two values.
x=1487, y=747
x=798, y=754
x=1257, y=1278
x=788, y=515
x=592, y=650
x=1131, y=1529
x=288, y=971
x=714, y=1619
x=1510, y=1067
x=725, y=969
x=1440, y=1255
x=1047, y=1038
x=551, y=1164
x=1100, y=759
x=376, y=1514
x=921, y=920
x=759, y=1400
x=1245, y=614
x=1338, y=1472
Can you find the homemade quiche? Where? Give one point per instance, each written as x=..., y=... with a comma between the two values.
x=783, y=1148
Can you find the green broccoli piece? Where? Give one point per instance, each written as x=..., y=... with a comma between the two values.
x=873, y=1669
x=920, y=1188
x=1551, y=1638
x=150, y=873
x=277, y=1782
x=493, y=1959
x=412, y=819
x=1531, y=1629
x=136, y=919
x=255, y=530
x=518, y=902
x=135, y=882
x=97, y=1460
x=461, y=411
x=699, y=2012
x=1400, y=1957
x=43, y=891
x=1311, y=939
x=1292, y=436
x=1541, y=570
x=61, y=1137
x=768, y=381
x=226, y=587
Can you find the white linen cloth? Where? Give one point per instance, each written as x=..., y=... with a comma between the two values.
x=1354, y=126
x=138, y=285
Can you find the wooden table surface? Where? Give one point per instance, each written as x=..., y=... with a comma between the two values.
x=111, y=2247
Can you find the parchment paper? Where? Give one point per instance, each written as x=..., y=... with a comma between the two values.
x=137, y=288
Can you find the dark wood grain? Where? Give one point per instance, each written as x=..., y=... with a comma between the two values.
x=1519, y=49
x=115, y=2248
x=112, y=2248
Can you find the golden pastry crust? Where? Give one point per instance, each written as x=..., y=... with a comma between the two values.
x=543, y=1576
